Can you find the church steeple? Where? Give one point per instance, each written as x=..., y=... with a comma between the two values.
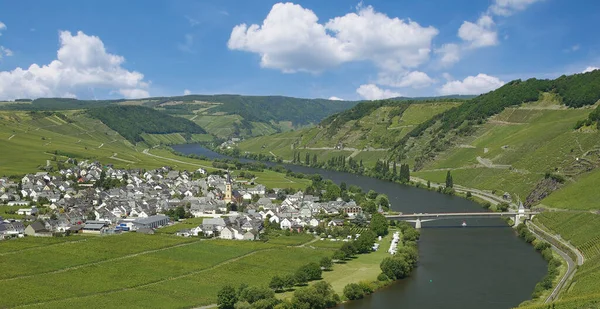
x=228, y=191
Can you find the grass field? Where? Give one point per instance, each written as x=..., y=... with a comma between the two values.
x=121, y=270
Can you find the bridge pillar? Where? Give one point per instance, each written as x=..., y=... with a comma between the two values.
x=418, y=223
x=517, y=220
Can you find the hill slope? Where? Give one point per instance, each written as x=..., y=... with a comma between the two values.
x=133, y=121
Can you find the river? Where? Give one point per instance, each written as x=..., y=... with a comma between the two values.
x=483, y=265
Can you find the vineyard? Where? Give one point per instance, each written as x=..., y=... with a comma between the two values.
x=582, y=229
x=132, y=270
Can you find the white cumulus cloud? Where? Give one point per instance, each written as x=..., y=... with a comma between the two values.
x=291, y=39
x=449, y=54
x=82, y=63
x=186, y=92
x=509, y=7
x=372, y=92
x=334, y=98
x=415, y=79
x=481, y=34
x=472, y=85
x=2, y=27
x=590, y=69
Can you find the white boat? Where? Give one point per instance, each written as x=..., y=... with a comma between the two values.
x=464, y=224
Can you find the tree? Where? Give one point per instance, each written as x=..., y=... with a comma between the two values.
x=449, y=181
x=379, y=224
x=349, y=249
x=383, y=201
x=314, y=160
x=227, y=297
x=339, y=255
x=332, y=192
x=253, y=294
x=312, y=270
x=289, y=281
x=277, y=283
x=317, y=296
x=326, y=263
x=369, y=207
x=307, y=159
x=364, y=243
x=343, y=186
x=395, y=267
x=353, y=291
x=372, y=195
x=301, y=277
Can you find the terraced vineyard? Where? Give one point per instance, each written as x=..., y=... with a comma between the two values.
x=582, y=229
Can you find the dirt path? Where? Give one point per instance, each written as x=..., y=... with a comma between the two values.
x=489, y=164
x=114, y=157
x=101, y=145
x=11, y=137
x=195, y=116
x=189, y=274
x=62, y=270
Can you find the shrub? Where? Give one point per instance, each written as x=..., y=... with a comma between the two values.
x=353, y=291
x=382, y=277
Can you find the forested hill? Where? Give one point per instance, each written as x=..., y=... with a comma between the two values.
x=133, y=121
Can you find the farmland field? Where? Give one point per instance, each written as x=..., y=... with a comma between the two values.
x=121, y=270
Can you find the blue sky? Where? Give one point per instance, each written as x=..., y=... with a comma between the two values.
x=314, y=49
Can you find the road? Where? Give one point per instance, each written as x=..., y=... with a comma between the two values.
x=571, y=267
x=580, y=257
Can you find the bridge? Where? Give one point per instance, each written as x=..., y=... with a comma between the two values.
x=418, y=218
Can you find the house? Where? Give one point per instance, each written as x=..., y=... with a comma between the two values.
x=93, y=228
x=151, y=222
x=38, y=229
x=285, y=224
x=28, y=211
x=313, y=222
x=336, y=222
x=227, y=233
x=351, y=209
x=250, y=235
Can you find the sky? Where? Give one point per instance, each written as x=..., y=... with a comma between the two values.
x=339, y=49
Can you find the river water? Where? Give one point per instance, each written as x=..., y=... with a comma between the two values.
x=483, y=265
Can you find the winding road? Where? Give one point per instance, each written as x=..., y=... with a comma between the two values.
x=571, y=267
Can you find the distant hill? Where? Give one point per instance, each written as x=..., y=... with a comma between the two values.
x=133, y=121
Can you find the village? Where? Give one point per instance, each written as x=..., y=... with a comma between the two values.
x=90, y=198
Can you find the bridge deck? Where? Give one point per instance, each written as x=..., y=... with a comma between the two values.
x=460, y=214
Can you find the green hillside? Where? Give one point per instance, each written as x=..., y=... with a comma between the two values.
x=367, y=131
x=133, y=121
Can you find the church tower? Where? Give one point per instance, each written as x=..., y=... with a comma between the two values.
x=228, y=194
